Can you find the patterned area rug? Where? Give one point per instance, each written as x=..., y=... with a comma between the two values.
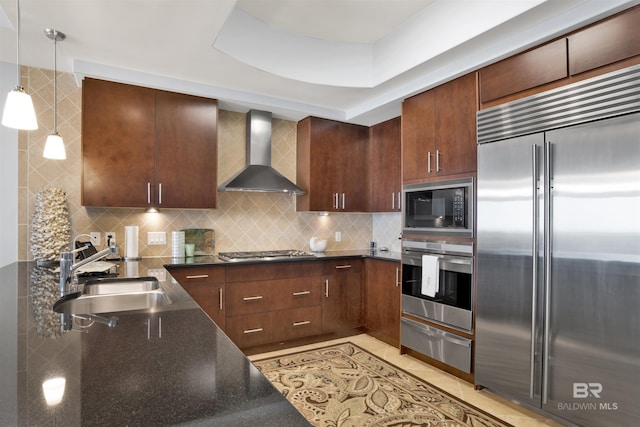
x=344, y=385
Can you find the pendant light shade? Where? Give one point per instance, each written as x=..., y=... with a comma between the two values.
x=54, y=146
x=18, y=109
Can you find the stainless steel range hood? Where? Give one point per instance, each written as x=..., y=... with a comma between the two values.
x=258, y=175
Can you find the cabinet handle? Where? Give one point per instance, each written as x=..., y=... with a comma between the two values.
x=198, y=276
x=252, y=298
x=399, y=199
x=343, y=206
x=335, y=201
x=160, y=193
x=437, y=160
x=220, y=298
x=301, y=293
x=397, y=277
x=340, y=267
x=429, y=162
x=393, y=200
x=326, y=288
x=305, y=322
x=148, y=193
x=252, y=331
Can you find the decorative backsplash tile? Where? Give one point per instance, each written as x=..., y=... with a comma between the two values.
x=242, y=221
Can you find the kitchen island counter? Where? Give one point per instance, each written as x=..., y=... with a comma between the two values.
x=164, y=366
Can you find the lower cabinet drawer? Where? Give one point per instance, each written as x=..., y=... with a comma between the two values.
x=264, y=328
x=297, y=323
x=446, y=347
x=250, y=329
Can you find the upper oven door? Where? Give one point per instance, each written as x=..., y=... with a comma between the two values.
x=455, y=280
x=443, y=208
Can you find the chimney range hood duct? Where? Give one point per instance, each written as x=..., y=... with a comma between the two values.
x=258, y=175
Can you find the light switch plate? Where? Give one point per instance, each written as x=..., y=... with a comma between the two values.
x=156, y=238
x=158, y=273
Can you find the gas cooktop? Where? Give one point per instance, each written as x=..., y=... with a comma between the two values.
x=264, y=255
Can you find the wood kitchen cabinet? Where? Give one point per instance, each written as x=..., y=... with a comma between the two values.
x=439, y=131
x=332, y=166
x=382, y=300
x=606, y=42
x=268, y=303
x=342, y=300
x=206, y=286
x=143, y=147
x=535, y=67
x=384, y=166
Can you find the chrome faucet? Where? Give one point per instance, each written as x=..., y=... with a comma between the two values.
x=68, y=268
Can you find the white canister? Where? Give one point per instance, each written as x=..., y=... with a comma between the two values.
x=177, y=244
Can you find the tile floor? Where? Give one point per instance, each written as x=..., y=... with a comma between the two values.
x=484, y=399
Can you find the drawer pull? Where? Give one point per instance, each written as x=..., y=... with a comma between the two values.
x=252, y=298
x=343, y=266
x=220, y=299
x=198, y=276
x=301, y=293
x=305, y=322
x=252, y=331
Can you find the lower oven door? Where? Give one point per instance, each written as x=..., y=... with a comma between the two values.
x=448, y=348
x=452, y=304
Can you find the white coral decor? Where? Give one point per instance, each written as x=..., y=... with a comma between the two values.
x=50, y=226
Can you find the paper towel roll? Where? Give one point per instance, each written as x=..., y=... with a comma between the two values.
x=131, y=242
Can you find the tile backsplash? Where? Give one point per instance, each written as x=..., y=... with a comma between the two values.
x=242, y=221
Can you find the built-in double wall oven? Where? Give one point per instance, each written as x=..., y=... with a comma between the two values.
x=438, y=286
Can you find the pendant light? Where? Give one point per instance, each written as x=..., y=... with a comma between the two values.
x=18, y=109
x=54, y=147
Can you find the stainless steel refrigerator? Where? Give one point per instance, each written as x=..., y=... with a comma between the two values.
x=558, y=262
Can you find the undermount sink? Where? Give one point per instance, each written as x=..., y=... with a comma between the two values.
x=120, y=285
x=114, y=295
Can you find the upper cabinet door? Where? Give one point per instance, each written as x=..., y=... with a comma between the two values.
x=331, y=166
x=607, y=42
x=384, y=164
x=185, y=151
x=535, y=67
x=117, y=144
x=457, y=104
x=418, y=135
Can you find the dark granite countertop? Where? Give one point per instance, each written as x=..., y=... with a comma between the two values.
x=200, y=261
x=157, y=367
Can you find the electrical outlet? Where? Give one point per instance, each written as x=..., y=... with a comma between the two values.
x=338, y=236
x=156, y=238
x=109, y=236
x=95, y=238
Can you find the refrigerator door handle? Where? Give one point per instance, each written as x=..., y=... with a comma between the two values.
x=548, y=220
x=534, y=266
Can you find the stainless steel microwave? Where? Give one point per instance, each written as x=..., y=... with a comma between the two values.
x=443, y=208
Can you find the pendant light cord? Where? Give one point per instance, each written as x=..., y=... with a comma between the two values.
x=18, y=43
x=55, y=81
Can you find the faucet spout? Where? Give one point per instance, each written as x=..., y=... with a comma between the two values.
x=68, y=267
